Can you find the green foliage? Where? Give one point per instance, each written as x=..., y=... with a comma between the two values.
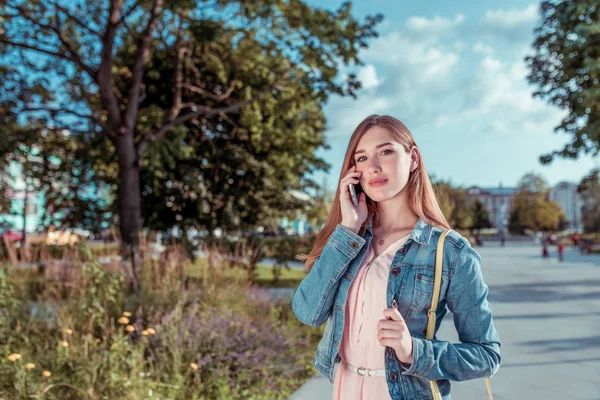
x=318, y=211
x=223, y=118
x=457, y=206
x=565, y=69
x=531, y=208
x=589, y=190
x=481, y=217
x=213, y=341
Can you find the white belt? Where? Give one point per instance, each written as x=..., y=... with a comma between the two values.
x=366, y=372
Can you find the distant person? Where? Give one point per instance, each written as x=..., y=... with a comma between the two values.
x=575, y=239
x=370, y=278
x=502, y=239
x=545, y=246
x=561, y=251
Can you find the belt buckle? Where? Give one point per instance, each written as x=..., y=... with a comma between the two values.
x=364, y=372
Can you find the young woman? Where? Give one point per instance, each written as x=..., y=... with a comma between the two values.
x=371, y=275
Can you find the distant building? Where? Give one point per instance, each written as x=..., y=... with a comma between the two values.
x=565, y=194
x=15, y=192
x=497, y=202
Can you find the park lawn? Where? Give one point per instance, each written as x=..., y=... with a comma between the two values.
x=264, y=274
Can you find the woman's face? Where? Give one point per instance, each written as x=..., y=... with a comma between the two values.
x=384, y=163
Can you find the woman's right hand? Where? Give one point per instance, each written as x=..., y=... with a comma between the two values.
x=352, y=217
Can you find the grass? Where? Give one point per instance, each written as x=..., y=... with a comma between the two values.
x=265, y=278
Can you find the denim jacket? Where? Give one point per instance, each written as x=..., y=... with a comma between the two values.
x=322, y=294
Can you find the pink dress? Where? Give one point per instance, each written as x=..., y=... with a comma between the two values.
x=359, y=347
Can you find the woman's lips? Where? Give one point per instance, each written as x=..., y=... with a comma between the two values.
x=378, y=182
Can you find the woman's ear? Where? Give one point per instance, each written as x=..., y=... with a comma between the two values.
x=414, y=158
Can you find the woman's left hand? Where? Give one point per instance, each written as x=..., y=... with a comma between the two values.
x=393, y=332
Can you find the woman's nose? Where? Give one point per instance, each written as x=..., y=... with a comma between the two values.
x=374, y=166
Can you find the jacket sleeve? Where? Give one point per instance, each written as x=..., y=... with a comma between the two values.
x=478, y=354
x=313, y=300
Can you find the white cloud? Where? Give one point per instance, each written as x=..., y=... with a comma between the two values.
x=367, y=75
x=423, y=60
x=481, y=48
x=511, y=19
x=436, y=24
x=460, y=89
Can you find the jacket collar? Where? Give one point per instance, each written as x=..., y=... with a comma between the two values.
x=421, y=233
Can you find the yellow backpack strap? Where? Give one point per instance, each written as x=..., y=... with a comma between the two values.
x=431, y=317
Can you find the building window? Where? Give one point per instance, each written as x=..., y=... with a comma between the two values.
x=31, y=208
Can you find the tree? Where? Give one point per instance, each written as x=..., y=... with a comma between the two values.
x=589, y=190
x=455, y=204
x=481, y=217
x=320, y=207
x=531, y=208
x=97, y=55
x=565, y=70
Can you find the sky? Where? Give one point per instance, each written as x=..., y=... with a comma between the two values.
x=455, y=74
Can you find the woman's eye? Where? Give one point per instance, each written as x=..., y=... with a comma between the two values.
x=383, y=153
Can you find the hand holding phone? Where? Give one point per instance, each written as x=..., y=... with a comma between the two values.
x=353, y=195
x=352, y=200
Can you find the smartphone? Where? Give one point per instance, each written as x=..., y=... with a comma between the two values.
x=355, y=191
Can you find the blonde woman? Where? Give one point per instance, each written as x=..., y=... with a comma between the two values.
x=371, y=274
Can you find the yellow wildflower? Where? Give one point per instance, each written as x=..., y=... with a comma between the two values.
x=130, y=328
x=64, y=343
x=123, y=320
x=151, y=331
x=194, y=366
x=30, y=365
x=97, y=340
x=47, y=374
x=113, y=346
x=127, y=313
x=145, y=332
x=67, y=331
x=14, y=357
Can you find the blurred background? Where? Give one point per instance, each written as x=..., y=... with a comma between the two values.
x=162, y=163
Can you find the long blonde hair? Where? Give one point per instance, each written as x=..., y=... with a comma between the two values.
x=421, y=196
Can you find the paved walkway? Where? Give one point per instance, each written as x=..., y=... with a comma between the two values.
x=548, y=316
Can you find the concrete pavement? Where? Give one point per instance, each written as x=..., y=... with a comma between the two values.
x=547, y=314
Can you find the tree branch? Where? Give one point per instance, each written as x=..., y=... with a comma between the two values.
x=77, y=20
x=59, y=111
x=72, y=55
x=126, y=14
x=138, y=67
x=176, y=108
x=197, y=111
x=213, y=96
x=34, y=48
x=104, y=78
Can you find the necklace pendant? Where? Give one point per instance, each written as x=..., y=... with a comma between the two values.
x=381, y=242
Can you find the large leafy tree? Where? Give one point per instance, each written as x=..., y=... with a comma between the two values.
x=91, y=62
x=481, y=217
x=455, y=204
x=589, y=190
x=531, y=208
x=566, y=71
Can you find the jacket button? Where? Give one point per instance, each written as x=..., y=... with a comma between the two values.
x=405, y=250
x=395, y=271
x=393, y=377
x=336, y=343
x=354, y=245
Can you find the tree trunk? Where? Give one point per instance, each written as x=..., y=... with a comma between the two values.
x=129, y=202
x=25, y=203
